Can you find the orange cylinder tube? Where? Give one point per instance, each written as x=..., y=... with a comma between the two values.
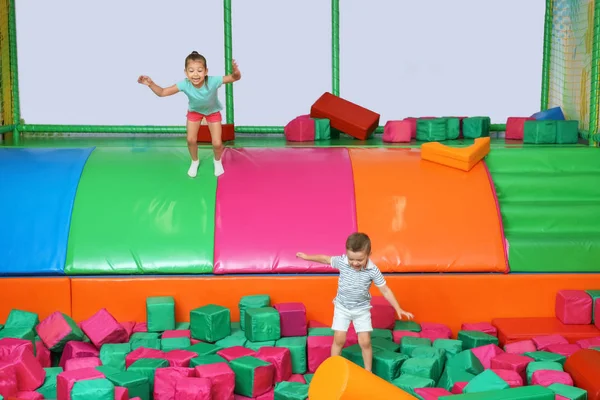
x=340, y=379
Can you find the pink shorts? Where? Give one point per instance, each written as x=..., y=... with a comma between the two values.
x=196, y=117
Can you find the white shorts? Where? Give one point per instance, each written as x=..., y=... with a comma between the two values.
x=360, y=318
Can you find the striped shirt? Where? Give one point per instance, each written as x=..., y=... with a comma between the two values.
x=353, y=286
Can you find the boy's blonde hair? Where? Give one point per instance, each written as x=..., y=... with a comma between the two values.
x=359, y=242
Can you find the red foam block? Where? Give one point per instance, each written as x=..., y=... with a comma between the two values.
x=397, y=131
x=165, y=381
x=293, y=319
x=383, y=315
x=103, y=328
x=573, y=307
x=193, y=389
x=300, y=129
x=221, y=377
x=281, y=359
x=515, y=127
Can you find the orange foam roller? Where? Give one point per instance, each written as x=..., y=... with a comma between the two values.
x=337, y=378
x=463, y=158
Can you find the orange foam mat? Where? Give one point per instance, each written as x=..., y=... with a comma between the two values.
x=338, y=378
x=464, y=158
x=584, y=367
x=40, y=295
x=515, y=329
x=425, y=217
x=450, y=299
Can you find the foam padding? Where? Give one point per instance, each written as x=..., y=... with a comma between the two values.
x=550, y=204
x=40, y=295
x=409, y=207
x=516, y=329
x=273, y=203
x=339, y=378
x=463, y=158
x=584, y=367
x=138, y=212
x=37, y=187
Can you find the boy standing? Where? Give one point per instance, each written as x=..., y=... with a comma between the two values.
x=353, y=300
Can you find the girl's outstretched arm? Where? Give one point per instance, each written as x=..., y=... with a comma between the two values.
x=159, y=91
x=236, y=75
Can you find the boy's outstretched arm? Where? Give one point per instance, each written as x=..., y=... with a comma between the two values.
x=236, y=75
x=323, y=259
x=389, y=296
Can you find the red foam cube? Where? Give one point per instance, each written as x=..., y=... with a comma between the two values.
x=103, y=328
x=573, y=307
x=221, y=377
x=515, y=127
x=293, y=319
x=227, y=133
x=397, y=132
x=300, y=129
x=383, y=315
x=165, y=381
x=281, y=358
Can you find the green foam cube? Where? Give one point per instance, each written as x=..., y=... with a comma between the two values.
x=570, y=392
x=235, y=327
x=388, y=364
x=381, y=333
x=410, y=326
x=297, y=346
x=452, y=375
x=160, y=313
x=385, y=344
x=262, y=324
x=107, y=370
x=113, y=355
x=438, y=355
x=232, y=341
x=431, y=130
x=354, y=353
x=472, y=339
x=206, y=360
x=137, y=384
x=21, y=319
x=408, y=344
x=409, y=383
x=19, y=333
x=210, y=323
x=451, y=347
x=258, y=345
x=147, y=367
x=476, y=127
x=567, y=132
x=320, y=331
x=182, y=326
x=486, y=381
x=546, y=356
x=452, y=128
x=519, y=393
x=97, y=389
x=308, y=378
x=203, y=349
x=149, y=340
x=247, y=370
x=539, y=132
x=541, y=365
x=423, y=367
x=467, y=361
x=594, y=294
x=176, y=343
x=291, y=391
x=322, y=129
x=48, y=388
x=254, y=301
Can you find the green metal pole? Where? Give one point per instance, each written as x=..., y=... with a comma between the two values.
x=547, y=51
x=260, y=129
x=228, y=60
x=335, y=46
x=595, y=79
x=14, y=74
x=102, y=129
x=6, y=129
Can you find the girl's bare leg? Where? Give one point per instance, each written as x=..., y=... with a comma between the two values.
x=217, y=143
x=192, y=143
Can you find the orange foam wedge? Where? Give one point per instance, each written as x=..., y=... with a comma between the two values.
x=464, y=158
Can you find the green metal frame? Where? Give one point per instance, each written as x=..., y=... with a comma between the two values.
x=16, y=127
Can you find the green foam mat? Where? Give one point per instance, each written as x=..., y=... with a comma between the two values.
x=137, y=211
x=550, y=204
x=518, y=393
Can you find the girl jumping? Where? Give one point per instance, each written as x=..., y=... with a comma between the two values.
x=201, y=90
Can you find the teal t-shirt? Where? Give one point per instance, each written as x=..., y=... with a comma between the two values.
x=203, y=100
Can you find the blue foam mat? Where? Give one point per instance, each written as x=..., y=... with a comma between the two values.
x=37, y=192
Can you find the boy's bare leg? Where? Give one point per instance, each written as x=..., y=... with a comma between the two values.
x=364, y=341
x=339, y=340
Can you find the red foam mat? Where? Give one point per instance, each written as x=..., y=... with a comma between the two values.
x=515, y=329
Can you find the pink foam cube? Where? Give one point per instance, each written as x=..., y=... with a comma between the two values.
x=103, y=328
x=413, y=126
x=9, y=345
x=351, y=336
x=8, y=379
x=484, y=327
x=515, y=127
x=398, y=335
x=128, y=326
x=319, y=349
x=434, y=334
x=559, y=397
x=573, y=307
x=54, y=329
x=221, y=377
x=176, y=334
x=29, y=372
x=587, y=343
x=180, y=358
x=281, y=358
x=486, y=353
x=75, y=349
x=81, y=363
x=511, y=377
x=432, y=393
x=459, y=387
x=564, y=349
x=397, y=132
x=547, y=377
x=65, y=380
x=121, y=393
x=194, y=341
x=42, y=354
x=293, y=319
x=29, y=395
x=165, y=381
x=143, y=352
x=297, y=378
x=383, y=315
x=140, y=327
x=520, y=347
x=446, y=332
x=316, y=324
x=542, y=342
x=512, y=362
x=231, y=353
x=193, y=389
x=300, y=129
